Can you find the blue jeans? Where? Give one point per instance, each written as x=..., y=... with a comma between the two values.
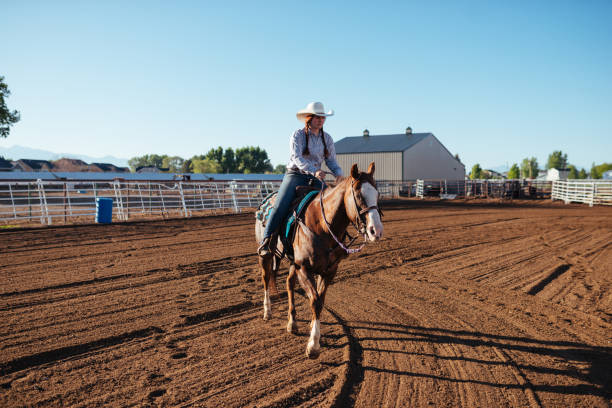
x=286, y=194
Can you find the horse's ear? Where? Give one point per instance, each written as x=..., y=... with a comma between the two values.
x=371, y=168
x=354, y=171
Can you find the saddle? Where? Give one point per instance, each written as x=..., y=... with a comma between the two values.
x=288, y=227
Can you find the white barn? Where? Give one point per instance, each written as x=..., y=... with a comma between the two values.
x=400, y=157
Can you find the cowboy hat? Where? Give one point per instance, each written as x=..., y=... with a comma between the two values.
x=313, y=108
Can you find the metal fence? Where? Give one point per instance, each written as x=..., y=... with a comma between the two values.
x=49, y=202
x=523, y=188
x=65, y=201
x=75, y=201
x=591, y=192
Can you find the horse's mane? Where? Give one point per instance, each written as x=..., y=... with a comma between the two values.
x=363, y=177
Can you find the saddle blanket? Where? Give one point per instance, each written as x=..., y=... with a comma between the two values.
x=297, y=209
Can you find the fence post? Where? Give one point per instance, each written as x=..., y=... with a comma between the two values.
x=65, y=190
x=180, y=185
x=119, y=199
x=42, y=197
x=69, y=202
x=233, y=190
x=142, y=211
x=127, y=201
x=12, y=201
x=201, y=197
x=29, y=202
x=161, y=196
x=218, y=196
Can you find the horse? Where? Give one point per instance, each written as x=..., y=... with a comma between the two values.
x=318, y=248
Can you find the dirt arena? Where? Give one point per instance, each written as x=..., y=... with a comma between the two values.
x=463, y=304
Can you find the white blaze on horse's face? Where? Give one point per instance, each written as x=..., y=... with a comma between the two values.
x=374, y=227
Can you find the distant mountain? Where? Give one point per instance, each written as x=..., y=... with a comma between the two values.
x=21, y=152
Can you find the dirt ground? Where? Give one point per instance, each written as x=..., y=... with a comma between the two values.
x=461, y=304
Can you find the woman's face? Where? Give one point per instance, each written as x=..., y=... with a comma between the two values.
x=317, y=122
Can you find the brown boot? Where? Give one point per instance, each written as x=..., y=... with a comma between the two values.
x=264, y=248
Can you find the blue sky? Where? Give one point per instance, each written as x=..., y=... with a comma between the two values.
x=495, y=81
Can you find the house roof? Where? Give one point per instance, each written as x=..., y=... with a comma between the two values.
x=65, y=164
x=71, y=176
x=5, y=164
x=109, y=167
x=36, y=164
x=378, y=143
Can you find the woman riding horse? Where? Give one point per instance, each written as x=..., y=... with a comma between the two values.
x=308, y=148
x=318, y=244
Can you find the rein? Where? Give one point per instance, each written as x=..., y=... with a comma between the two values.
x=360, y=227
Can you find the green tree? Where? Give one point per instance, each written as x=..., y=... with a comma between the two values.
x=229, y=164
x=280, y=169
x=174, y=164
x=597, y=171
x=187, y=167
x=557, y=160
x=7, y=118
x=594, y=174
x=252, y=160
x=476, y=172
x=529, y=168
x=243, y=160
x=205, y=165
x=214, y=154
x=582, y=174
x=514, y=172
x=147, y=160
x=226, y=159
x=573, y=172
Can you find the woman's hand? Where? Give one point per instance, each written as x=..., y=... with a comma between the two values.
x=320, y=174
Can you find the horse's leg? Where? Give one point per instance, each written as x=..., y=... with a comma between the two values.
x=323, y=284
x=266, y=274
x=313, y=349
x=291, y=324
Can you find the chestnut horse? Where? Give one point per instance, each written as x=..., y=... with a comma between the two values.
x=318, y=247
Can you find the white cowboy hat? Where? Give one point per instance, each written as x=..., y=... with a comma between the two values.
x=313, y=108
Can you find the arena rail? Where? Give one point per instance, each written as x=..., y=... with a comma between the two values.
x=74, y=201
x=591, y=192
x=483, y=188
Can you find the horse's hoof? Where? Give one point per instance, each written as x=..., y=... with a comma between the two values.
x=267, y=316
x=292, y=328
x=312, y=353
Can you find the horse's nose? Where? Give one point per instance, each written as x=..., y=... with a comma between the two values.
x=374, y=233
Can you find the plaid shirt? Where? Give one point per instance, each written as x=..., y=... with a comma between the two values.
x=312, y=162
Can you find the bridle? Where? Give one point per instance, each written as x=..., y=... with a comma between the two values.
x=359, y=224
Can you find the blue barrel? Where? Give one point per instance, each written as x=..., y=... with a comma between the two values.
x=104, y=210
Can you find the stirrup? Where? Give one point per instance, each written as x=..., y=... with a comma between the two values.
x=264, y=248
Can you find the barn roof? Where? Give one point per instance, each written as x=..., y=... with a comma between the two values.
x=378, y=143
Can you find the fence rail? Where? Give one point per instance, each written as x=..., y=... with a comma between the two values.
x=50, y=202
x=523, y=188
x=591, y=192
